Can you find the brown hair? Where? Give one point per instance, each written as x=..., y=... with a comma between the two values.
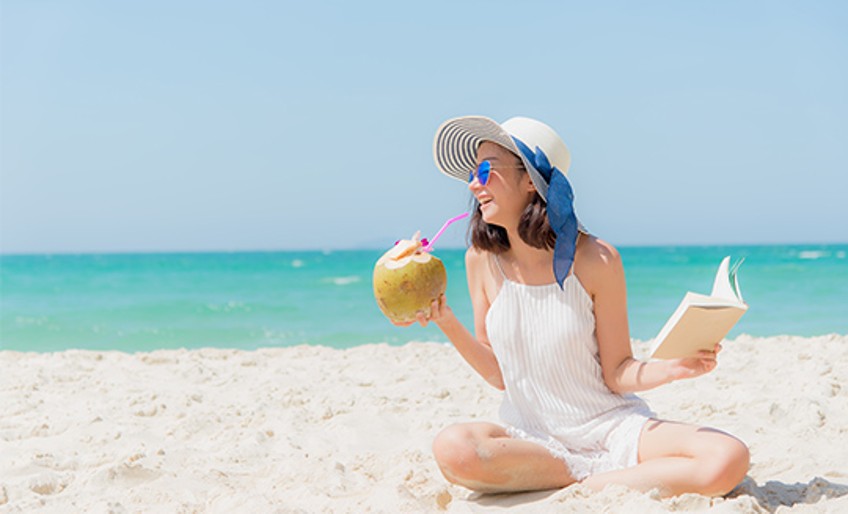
x=533, y=228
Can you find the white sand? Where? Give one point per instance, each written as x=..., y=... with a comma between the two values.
x=317, y=430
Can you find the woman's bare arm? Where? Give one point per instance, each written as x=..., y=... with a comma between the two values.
x=622, y=373
x=475, y=350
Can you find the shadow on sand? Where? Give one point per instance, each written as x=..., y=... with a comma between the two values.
x=774, y=494
x=769, y=496
x=510, y=500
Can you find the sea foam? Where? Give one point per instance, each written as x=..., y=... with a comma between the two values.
x=812, y=254
x=343, y=281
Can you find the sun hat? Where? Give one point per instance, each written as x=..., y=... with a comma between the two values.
x=543, y=154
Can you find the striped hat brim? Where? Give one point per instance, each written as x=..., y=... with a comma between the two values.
x=456, y=143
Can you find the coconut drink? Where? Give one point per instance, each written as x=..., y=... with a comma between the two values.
x=407, y=279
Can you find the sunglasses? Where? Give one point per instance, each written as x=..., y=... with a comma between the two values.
x=483, y=170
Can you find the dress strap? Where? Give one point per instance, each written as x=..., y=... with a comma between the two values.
x=498, y=264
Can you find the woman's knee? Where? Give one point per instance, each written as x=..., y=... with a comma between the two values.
x=725, y=466
x=456, y=452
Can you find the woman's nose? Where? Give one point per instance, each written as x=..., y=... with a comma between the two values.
x=475, y=184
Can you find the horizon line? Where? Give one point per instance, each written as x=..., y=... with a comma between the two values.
x=377, y=249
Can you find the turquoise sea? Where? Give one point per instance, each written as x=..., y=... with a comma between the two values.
x=139, y=302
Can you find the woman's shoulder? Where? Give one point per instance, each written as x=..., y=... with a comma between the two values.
x=597, y=251
x=596, y=260
x=481, y=272
x=478, y=263
x=476, y=257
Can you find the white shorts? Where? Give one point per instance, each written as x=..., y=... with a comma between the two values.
x=620, y=447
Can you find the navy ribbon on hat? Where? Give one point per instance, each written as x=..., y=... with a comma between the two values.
x=561, y=215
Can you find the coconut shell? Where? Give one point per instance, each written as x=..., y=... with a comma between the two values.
x=408, y=280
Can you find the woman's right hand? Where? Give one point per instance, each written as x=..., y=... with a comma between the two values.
x=439, y=311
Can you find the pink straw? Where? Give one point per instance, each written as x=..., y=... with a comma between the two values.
x=429, y=246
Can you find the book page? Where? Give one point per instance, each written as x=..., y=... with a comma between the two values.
x=726, y=284
x=734, y=279
x=721, y=284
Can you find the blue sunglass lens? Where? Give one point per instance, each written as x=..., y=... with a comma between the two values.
x=482, y=173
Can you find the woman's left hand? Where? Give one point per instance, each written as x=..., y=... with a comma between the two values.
x=691, y=367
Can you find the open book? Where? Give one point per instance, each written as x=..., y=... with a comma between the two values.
x=702, y=321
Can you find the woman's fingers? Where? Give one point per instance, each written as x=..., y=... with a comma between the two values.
x=706, y=354
x=708, y=360
x=438, y=309
x=441, y=305
x=691, y=367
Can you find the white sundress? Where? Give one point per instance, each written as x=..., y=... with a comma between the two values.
x=545, y=342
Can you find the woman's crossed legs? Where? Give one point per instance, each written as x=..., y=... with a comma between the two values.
x=675, y=457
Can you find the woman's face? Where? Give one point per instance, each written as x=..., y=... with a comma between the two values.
x=508, y=190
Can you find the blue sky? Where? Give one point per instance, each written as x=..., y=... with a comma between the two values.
x=172, y=126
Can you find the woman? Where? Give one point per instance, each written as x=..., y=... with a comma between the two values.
x=550, y=320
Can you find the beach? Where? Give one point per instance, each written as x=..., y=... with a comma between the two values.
x=314, y=429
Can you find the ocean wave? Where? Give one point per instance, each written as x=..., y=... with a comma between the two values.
x=297, y=263
x=812, y=254
x=24, y=321
x=228, y=307
x=343, y=281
